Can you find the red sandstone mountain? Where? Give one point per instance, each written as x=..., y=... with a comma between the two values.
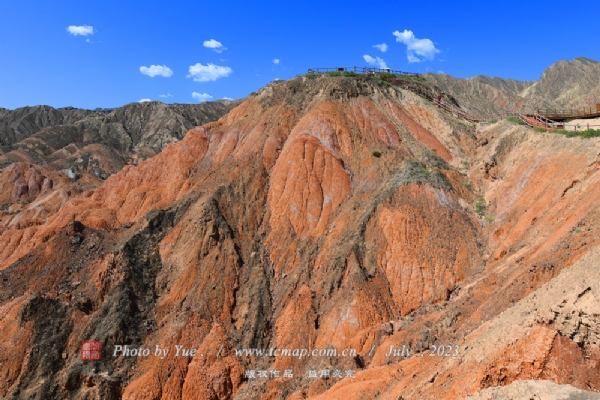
x=320, y=212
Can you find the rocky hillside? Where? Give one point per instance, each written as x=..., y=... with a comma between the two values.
x=321, y=213
x=563, y=85
x=64, y=152
x=127, y=129
x=19, y=124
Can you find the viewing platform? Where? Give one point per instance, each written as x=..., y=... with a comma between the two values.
x=362, y=71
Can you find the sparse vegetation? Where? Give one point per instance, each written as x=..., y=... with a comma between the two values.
x=492, y=121
x=333, y=73
x=416, y=171
x=376, y=153
x=588, y=133
x=516, y=120
x=423, y=170
x=388, y=75
x=380, y=81
x=489, y=218
x=480, y=206
x=414, y=78
x=468, y=185
x=539, y=129
x=311, y=75
x=350, y=73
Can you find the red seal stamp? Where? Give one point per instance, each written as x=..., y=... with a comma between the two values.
x=90, y=350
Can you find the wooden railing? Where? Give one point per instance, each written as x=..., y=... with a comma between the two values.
x=439, y=101
x=362, y=70
x=571, y=113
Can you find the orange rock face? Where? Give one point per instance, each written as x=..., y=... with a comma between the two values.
x=330, y=221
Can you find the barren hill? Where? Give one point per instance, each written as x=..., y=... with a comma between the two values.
x=19, y=124
x=321, y=213
x=564, y=84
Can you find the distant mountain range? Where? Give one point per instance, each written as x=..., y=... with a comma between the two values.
x=565, y=84
x=77, y=139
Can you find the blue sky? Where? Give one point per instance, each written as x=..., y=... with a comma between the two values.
x=98, y=63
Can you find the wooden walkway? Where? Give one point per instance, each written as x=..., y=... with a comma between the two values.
x=561, y=115
x=548, y=121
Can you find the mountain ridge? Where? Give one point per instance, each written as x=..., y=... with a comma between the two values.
x=565, y=84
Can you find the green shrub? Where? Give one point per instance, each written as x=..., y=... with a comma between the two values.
x=492, y=121
x=380, y=81
x=489, y=218
x=539, y=129
x=480, y=206
x=516, y=120
x=588, y=133
x=333, y=73
x=350, y=73
x=376, y=153
x=387, y=75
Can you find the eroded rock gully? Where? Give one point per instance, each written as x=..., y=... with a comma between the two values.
x=324, y=212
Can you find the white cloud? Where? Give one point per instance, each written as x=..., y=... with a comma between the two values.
x=412, y=58
x=375, y=61
x=165, y=96
x=276, y=61
x=83, y=30
x=209, y=72
x=421, y=47
x=144, y=100
x=383, y=47
x=156, y=70
x=201, y=96
x=214, y=45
